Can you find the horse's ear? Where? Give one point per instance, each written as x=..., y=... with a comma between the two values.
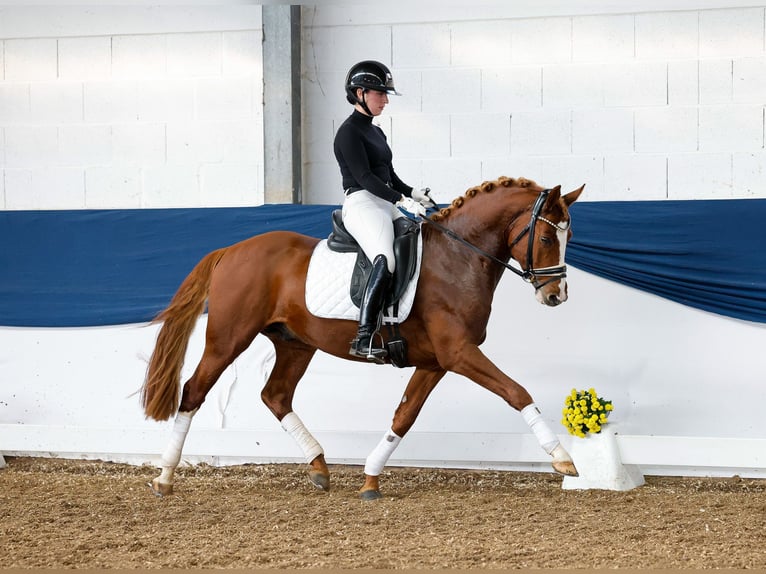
x=554, y=195
x=572, y=196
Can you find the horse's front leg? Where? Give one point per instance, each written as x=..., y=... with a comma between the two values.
x=467, y=359
x=418, y=388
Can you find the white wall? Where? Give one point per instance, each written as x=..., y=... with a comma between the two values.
x=130, y=107
x=122, y=107
x=643, y=105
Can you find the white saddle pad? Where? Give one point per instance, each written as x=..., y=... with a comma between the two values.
x=328, y=282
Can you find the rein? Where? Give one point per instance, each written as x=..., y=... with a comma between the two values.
x=530, y=274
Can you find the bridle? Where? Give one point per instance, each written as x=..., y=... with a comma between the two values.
x=529, y=274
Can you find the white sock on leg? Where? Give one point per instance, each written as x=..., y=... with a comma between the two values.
x=540, y=428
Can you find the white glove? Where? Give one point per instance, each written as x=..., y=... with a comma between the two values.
x=409, y=204
x=424, y=197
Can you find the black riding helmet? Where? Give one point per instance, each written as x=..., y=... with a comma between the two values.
x=368, y=75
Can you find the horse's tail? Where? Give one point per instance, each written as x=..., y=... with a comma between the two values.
x=160, y=392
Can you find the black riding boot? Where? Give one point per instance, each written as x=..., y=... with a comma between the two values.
x=370, y=310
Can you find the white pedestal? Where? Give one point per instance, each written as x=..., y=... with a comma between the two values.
x=2, y=461
x=597, y=458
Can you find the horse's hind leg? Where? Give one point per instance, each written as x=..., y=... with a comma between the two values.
x=292, y=359
x=214, y=361
x=163, y=484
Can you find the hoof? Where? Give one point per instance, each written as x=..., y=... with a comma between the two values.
x=565, y=467
x=370, y=495
x=320, y=480
x=160, y=489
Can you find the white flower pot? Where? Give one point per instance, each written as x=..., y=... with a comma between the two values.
x=597, y=458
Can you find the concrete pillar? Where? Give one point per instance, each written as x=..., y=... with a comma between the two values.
x=282, y=103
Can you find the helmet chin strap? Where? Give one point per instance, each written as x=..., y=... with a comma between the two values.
x=363, y=103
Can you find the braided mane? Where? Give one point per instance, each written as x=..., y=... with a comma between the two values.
x=486, y=187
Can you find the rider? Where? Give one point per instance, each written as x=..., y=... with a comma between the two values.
x=373, y=192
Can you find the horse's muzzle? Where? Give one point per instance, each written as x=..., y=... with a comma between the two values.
x=553, y=297
x=553, y=300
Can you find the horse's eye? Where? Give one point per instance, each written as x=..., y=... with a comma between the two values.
x=545, y=240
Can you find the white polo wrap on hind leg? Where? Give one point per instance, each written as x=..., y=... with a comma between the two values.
x=172, y=455
x=540, y=428
x=308, y=444
x=379, y=456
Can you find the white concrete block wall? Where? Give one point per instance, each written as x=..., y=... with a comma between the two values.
x=749, y=76
x=82, y=59
x=683, y=83
x=577, y=94
x=749, y=173
x=30, y=59
x=639, y=106
x=664, y=35
x=171, y=118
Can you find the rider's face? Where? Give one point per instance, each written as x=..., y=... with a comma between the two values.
x=375, y=100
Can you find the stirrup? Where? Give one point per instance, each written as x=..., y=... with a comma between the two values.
x=364, y=350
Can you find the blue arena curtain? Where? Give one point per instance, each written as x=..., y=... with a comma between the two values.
x=707, y=254
x=108, y=267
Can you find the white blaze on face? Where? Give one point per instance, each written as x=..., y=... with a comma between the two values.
x=562, y=230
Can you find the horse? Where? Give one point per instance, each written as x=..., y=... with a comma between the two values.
x=257, y=286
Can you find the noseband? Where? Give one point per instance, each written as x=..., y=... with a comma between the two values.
x=529, y=274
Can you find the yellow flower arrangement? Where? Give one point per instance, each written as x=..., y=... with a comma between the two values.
x=584, y=412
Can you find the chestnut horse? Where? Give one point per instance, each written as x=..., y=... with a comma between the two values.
x=258, y=286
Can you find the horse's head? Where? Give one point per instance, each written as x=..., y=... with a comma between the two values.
x=524, y=222
x=539, y=242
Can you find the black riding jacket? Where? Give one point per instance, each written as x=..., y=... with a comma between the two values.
x=365, y=159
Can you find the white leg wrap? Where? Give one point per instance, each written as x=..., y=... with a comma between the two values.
x=381, y=453
x=172, y=455
x=540, y=428
x=309, y=445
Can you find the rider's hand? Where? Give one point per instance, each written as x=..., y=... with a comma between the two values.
x=414, y=207
x=424, y=197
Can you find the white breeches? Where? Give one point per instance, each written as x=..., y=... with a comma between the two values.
x=369, y=219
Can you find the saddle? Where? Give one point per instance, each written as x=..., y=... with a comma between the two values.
x=405, y=253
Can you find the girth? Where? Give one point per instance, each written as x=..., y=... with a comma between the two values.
x=405, y=253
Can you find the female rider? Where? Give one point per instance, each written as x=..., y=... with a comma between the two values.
x=373, y=192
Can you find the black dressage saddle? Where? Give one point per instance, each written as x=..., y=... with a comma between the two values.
x=405, y=252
